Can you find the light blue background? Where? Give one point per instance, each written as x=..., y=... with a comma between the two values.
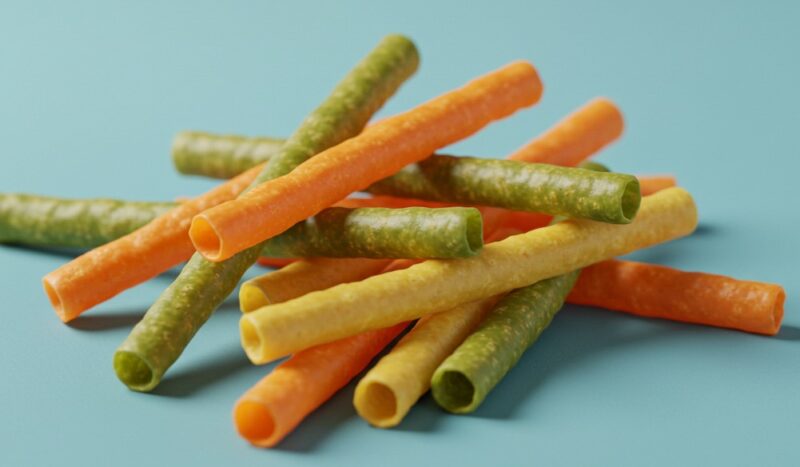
x=91, y=93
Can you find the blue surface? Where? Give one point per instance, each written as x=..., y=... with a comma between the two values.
x=92, y=93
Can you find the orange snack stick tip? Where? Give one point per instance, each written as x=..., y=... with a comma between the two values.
x=105, y=271
x=660, y=292
x=274, y=407
x=576, y=137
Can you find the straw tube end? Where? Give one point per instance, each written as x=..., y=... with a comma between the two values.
x=134, y=371
x=57, y=303
x=252, y=340
x=206, y=239
x=252, y=297
x=255, y=423
x=377, y=403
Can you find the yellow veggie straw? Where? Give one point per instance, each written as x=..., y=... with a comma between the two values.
x=302, y=277
x=433, y=286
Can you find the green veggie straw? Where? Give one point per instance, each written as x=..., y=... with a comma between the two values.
x=220, y=156
x=382, y=233
x=465, y=378
x=168, y=326
x=71, y=223
x=523, y=186
x=415, y=233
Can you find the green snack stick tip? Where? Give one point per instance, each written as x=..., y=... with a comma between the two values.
x=414, y=232
x=134, y=371
x=464, y=379
x=549, y=189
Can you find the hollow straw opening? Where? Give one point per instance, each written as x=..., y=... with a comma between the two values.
x=205, y=238
x=254, y=422
x=631, y=200
x=378, y=404
x=252, y=297
x=55, y=300
x=454, y=391
x=251, y=340
x=474, y=232
x=134, y=371
x=777, y=311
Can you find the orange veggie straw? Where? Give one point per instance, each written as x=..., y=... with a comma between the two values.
x=105, y=271
x=692, y=297
x=650, y=184
x=272, y=408
x=576, y=137
x=379, y=151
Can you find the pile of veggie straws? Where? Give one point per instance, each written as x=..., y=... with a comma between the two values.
x=362, y=270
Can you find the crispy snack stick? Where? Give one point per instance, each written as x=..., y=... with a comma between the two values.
x=577, y=137
x=437, y=285
x=381, y=150
x=71, y=223
x=543, y=188
x=103, y=272
x=694, y=297
x=168, y=326
x=570, y=141
x=650, y=184
x=305, y=276
x=220, y=156
x=464, y=379
x=274, y=407
x=382, y=233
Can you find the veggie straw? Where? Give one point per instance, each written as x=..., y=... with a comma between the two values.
x=57, y=222
x=464, y=379
x=382, y=233
x=277, y=330
x=573, y=139
x=168, y=326
x=578, y=136
x=381, y=150
x=303, y=277
x=660, y=292
x=652, y=183
x=543, y=188
x=220, y=156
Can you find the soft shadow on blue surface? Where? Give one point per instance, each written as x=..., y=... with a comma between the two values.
x=575, y=335
x=106, y=321
x=788, y=333
x=186, y=382
x=129, y=317
x=425, y=416
x=68, y=253
x=313, y=431
x=706, y=230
